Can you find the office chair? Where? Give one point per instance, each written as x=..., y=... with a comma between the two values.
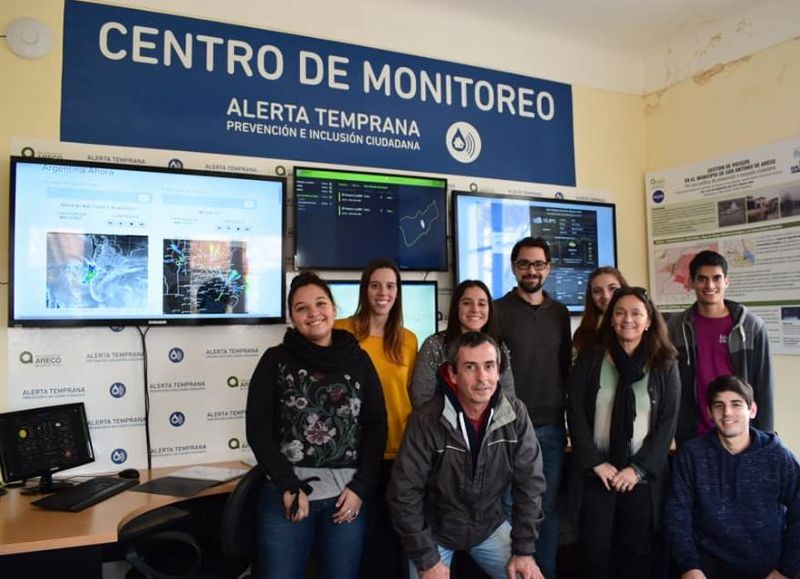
x=158, y=551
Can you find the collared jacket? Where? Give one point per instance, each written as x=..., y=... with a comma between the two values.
x=439, y=496
x=749, y=350
x=431, y=357
x=663, y=387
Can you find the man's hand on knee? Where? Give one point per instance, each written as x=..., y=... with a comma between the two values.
x=523, y=566
x=438, y=571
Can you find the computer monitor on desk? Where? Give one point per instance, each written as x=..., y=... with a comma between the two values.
x=38, y=442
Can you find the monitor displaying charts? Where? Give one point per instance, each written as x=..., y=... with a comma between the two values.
x=343, y=219
x=581, y=234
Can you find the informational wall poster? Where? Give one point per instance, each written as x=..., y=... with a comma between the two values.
x=745, y=206
x=143, y=79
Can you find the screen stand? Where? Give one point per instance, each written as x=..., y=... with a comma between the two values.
x=46, y=485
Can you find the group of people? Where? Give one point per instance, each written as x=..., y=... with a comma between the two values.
x=386, y=460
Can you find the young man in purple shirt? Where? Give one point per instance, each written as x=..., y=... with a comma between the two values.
x=717, y=337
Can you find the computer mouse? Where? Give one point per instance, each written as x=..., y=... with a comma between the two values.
x=129, y=473
x=2, y=491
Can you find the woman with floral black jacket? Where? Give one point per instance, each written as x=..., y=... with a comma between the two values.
x=316, y=422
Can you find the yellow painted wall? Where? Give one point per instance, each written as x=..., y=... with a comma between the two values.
x=739, y=106
x=30, y=103
x=609, y=157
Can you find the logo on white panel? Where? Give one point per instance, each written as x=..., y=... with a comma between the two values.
x=40, y=360
x=119, y=455
x=236, y=382
x=175, y=355
x=117, y=390
x=463, y=142
x=177, y=419
x=237, y=443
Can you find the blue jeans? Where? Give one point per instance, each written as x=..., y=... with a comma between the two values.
x=284, y=546
x=492, y=555
x=553, y=439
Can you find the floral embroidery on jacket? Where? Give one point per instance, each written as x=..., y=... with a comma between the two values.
x=319, y=417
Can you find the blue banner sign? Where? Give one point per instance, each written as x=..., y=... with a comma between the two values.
x=143, y=79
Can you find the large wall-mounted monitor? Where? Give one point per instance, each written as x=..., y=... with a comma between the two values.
x=420, y=306
x=95, y=243
x=582, y=236
x=39, y=442
x=343, y=219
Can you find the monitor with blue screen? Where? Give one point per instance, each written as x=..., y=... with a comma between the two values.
x=97, y=243
x=581, y=234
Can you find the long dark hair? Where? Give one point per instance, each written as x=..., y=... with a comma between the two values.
x=658, y=347
x=393, y=332
x=588, y=335
x=490, y=328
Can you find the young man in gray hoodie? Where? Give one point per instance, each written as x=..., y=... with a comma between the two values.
x=716, y=337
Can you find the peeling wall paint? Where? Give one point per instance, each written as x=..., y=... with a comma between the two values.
x=705, y=76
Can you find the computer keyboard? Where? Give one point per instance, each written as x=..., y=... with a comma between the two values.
x=85, y=494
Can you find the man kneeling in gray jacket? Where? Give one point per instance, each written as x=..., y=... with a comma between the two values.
x=460, y=453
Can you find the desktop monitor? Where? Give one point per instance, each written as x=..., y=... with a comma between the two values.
x=581, y=234
x=38, y=442
x=104, y=244
x=343, y=219
x=420, y=308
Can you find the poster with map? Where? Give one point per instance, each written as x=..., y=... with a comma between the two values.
x=745, y=206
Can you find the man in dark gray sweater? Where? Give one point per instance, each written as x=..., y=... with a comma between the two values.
x=536, y=329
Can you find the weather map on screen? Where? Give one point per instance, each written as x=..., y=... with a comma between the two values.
x=204, y=277
x=89, y=270
x=96, y=243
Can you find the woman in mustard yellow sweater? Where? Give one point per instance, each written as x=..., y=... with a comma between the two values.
x=378, y=327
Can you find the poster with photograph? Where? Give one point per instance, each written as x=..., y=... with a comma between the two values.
x=745, y=206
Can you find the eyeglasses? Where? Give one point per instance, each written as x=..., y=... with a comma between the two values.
x=525, y=265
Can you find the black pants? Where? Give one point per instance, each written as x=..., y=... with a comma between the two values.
x=616, y=532
x=383, y=554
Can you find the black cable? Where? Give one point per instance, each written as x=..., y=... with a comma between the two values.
x=143, y=334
